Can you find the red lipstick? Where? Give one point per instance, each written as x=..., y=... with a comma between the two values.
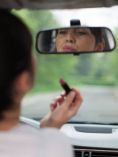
x=65, y=86
x=68, y=48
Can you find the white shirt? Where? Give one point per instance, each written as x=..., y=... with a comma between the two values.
x=26, y=141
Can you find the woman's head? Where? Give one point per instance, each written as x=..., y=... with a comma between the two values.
x=15, y=55
x=79, y=40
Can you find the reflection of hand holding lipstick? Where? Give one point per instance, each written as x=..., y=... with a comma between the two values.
x=65, y=86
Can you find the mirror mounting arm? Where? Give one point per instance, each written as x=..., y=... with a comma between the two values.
x=75, y=22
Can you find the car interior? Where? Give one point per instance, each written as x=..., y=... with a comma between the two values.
x=94, y=131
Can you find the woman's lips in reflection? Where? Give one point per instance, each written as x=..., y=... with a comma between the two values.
x=68, y=48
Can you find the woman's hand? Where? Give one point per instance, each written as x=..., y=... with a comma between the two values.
x=62, y=109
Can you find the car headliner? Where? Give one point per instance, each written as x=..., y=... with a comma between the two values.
x=56, y=4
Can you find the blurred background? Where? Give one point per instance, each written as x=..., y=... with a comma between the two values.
x=96, y=75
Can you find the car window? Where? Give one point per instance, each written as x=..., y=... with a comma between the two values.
x=94, y=74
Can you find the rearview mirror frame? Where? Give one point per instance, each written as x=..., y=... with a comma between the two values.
x=49, y=31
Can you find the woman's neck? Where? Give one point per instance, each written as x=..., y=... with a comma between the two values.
x=10, y=119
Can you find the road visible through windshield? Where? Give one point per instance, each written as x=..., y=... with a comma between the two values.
x=100, y=105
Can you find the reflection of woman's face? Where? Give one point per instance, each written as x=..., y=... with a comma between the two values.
x=75, y=39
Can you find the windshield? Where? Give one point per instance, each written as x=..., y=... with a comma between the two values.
x=95, y=75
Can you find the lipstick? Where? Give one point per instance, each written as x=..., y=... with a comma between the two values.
x=65, y=86
x=69, y=49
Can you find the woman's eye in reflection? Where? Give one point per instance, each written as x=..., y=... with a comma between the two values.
x=62, y=32
x=80, y=33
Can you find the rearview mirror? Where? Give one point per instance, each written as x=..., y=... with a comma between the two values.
x=75, y=40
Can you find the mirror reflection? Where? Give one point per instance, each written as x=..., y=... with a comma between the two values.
x=75, y=40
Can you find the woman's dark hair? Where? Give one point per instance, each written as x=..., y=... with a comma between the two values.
x=15, y=55
x=98, y=34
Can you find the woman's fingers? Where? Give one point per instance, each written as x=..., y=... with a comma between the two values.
x=69, y=99
x=64, y=108
x=70, y=103
x=58, y=101
x=76, y=104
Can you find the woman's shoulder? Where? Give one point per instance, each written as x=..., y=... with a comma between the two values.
x=49, y=142
x=47, y=132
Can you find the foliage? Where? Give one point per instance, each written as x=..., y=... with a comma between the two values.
x=97, y=69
